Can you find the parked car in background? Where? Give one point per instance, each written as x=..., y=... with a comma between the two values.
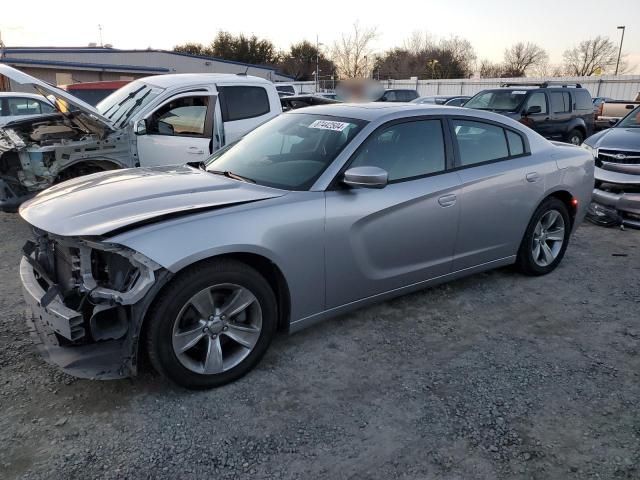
x=609, y=112
x=348, y=204
x=16, y=106
x=159, y=120
x=292, y=102
x=555, y=111
x=94, y=92
x=451, y=100
x=329, y=95
x=398, y=95
x=616, y=196
x=286, y=89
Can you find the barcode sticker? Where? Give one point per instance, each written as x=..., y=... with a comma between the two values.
x=329, y=125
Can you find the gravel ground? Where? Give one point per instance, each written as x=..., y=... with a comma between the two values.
x=496, y=376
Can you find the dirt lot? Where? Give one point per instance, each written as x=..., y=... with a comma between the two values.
x=494, y=376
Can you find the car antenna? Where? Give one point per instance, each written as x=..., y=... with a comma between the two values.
x=245, y=72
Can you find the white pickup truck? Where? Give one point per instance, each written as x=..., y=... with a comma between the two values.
x=159, y=120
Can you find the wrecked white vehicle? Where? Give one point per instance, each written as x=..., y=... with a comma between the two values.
x=160, y=120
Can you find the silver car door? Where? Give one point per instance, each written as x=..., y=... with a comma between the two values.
x=501, y=183
x=378, y=240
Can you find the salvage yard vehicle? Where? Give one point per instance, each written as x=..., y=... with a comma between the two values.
x=451, y=100
x=610, y=111
x=17, y=105
x=558, y=111
x=398, y=95
x=293, y=102
x=616, y=196
x=318, y=212
x=160, y=120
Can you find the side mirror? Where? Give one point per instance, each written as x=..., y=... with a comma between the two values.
x=612, y=121
x=140, y=128
x=366, y=177
x=533, y=109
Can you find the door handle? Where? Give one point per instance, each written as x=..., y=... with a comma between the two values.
x=447, y=200
x=195, y=151
x=532, y=177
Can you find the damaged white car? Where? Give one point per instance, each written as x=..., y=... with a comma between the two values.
x=160, y=120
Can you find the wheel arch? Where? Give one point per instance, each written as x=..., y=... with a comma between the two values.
x=263, y=265
x=105, y=164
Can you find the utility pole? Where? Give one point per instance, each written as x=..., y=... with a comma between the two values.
x=100, y=32
x=621, y=27
x=317, y=60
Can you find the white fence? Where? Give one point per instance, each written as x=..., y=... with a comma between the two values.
x=619, y=87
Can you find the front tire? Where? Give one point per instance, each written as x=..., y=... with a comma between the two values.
x=546, y=238
x=211, y=324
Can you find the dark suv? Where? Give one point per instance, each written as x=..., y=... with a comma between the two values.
x=398, y=95
x=556, y=111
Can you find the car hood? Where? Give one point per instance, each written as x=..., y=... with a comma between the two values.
x=104, y=202
x=83, y=115
x=617, y=138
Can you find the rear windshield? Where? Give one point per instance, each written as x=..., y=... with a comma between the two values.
x=500, y=100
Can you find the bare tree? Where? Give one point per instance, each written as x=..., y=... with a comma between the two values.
x=488, y=69
x=419, y=42
x=546, y=69
x=521, y=57
x=592, y=55
x=462, y=54
x=353, y=53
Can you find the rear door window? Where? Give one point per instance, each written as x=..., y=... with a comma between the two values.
x=479, y=142
x=559, y=102
x=240, y=102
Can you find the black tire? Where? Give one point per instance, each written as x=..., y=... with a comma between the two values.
x=163, y=314
x=525, y=261
x=575, y=137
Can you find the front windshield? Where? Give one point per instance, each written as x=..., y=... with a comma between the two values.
x=122, y=104
x=289, y=152
x=500, y=100
x=632, y=120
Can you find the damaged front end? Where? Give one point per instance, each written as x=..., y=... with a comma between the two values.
x=616, y=196
x=88, y=300
x=38, y=152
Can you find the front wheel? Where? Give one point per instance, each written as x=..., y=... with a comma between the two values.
x=546, y=238
x=211, y=325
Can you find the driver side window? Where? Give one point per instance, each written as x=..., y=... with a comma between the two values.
x=537, y=100
x=184, y=116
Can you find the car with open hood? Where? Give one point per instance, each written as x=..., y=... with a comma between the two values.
x=616, y=196
x=317, y=212
x=160, y=120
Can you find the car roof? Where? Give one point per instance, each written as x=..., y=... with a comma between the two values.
x=378, y=110
x=22, y=95
x=187, y=79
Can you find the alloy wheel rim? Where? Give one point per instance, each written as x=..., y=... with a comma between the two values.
x=217, y=328
x=575, y=140
x=548, y=238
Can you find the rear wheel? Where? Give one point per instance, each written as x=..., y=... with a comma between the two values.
x=212, y=325
x=546, y=238
x=575, y=137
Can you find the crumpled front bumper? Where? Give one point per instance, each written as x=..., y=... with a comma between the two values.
x=110, y=359
x=612, y=207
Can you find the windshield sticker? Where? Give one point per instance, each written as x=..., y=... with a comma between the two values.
x=518, y=92
x=329, y=125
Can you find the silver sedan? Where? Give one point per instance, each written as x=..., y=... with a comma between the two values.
x=318, y=212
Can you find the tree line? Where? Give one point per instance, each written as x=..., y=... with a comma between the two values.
x=421, y=55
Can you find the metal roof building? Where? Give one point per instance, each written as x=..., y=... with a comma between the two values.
x=64, y=65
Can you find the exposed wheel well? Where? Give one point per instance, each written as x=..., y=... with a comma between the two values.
x=85, y=167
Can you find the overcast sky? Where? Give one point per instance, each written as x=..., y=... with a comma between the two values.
x=490, y=25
